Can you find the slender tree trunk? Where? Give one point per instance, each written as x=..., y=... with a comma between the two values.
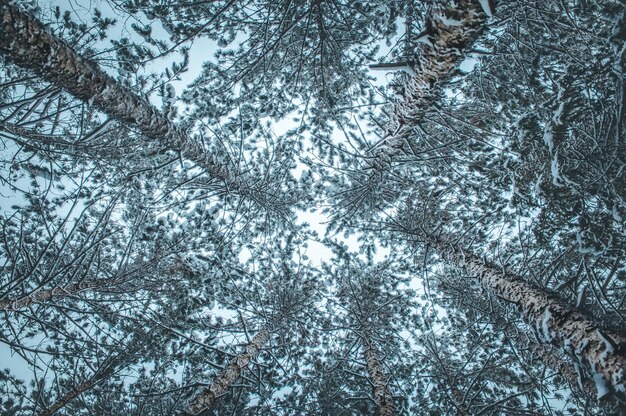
x=382, y=394
x=137, y=270
x=123, y=358
x=224, y=381
x=69, y=396
x=450, y=29
x=599, y=351
x=27, y=43
x=57, y=292
x=102, y=374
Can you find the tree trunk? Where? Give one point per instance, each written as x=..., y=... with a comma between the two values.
x=599, y=351
x=68, y=397
x=27, y=43
x=139, y=269
x=224, y=381
x=382, y=395
x=57, y=292
x=102, y=374
x=584, y=387
x=450, y=29
x=552, y=360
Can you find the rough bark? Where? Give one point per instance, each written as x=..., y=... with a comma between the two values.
x=552, y=360
x=57, y=292
x=564, y=366
x=450, y=29
x=600, y=352
x=27, y=43
x=224, y=381
x=382, y=394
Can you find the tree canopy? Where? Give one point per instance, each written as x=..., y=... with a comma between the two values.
x=334, y=207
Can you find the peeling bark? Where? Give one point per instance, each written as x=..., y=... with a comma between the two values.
x=599, y=351
x=224, y=381
x=27, y=43
x=450, y=29
x=382, y=394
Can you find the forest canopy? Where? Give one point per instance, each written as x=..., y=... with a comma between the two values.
x=320, y=207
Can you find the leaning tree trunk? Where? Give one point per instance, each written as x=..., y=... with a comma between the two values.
x=599, y=351
x=27, y=43
x=224, y=381
x=451, y=27
x=382, y=394
x=77, y=391
x=57, y=292
x=551, y=359
x=546, y=354
x=563, y=365
x=124, y=358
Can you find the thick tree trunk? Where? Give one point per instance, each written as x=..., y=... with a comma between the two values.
x=224, y=381
x=382, y=394
x=581, y=386
x=599, y=351
x=450, y=29
x=551, y=359
x=27, y=43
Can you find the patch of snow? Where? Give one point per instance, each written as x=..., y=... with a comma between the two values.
x=547, y=316
x=486, y=7
x=537, y=186
x=554, y=170
x=556, y=117
x=601, y=386
x=581, y=295
x=468, y=65
x=424, y=39
x=449, y=22
x=548, y=138
x=616, y=216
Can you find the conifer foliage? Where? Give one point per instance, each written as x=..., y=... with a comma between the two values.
x=348, y=207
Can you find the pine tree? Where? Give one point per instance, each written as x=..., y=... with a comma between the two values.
x=155, y=260
x=597, y=349
x=26, y=42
